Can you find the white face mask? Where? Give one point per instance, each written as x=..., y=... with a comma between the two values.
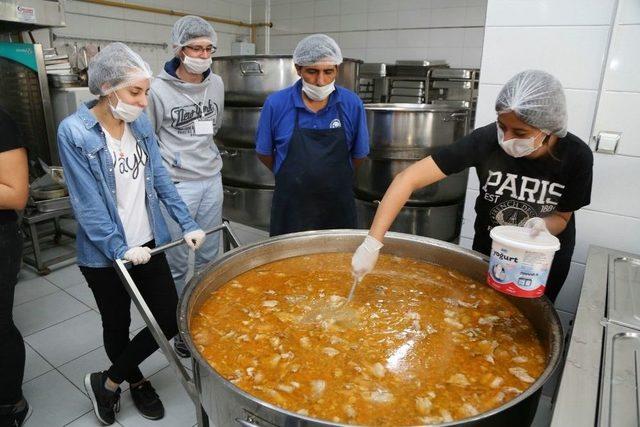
x=517, y=147
x=196, y=65
x=124, y=111
x=318, y=93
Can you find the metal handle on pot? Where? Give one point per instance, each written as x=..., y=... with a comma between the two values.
x=150, y=320
x=456, y=117
x=229, y=192
x=229, y=153
x=247, y=68
x=245, y=423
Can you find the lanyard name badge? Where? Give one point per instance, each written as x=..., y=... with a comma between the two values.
x=201, y=126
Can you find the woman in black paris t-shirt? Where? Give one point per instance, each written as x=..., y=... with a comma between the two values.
x=14, y=191
x=528, y=167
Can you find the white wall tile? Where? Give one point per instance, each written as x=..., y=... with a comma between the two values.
x=618, y=112
x=573, y=54
x=611, y=231
x=466, y=242
x=453, y=55
x=301, y=10
x=353, y=22
x=475, y=16
x=383, y=54
x=382, y=6
x=413, y=38
x=629, y=12
x=386, y=38
x=325, y=24
x=469, y=214
x=414, y=4
x=471, y=57
x=326, y=7
x=549, y=12
x=487, y=94
x=353, y=6
x=474, y=37
x=353, y=40
x=448, y=17
x=623, y=67
x=448, y=37
x=382, y=20
x=473, y=182
x=355, y=53
x=301, y=25
x=280, y=11
x=616, y=185
x=581, y=106
x=435, y=4
x=417, y=18
x=570, y=294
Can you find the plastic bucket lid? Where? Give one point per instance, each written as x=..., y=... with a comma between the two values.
x=520, y=237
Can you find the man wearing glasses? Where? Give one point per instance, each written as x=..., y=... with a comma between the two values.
x=186, y=103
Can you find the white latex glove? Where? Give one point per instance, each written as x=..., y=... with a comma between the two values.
x=537, y=226
x=138, y=255
x=195, y=239
x=365, y=257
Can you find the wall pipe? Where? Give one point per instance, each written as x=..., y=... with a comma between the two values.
x=171, y=12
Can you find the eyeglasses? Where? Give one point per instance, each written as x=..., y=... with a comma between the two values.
x=200, y=49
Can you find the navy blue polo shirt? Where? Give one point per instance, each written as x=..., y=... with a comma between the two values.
x=278, y=114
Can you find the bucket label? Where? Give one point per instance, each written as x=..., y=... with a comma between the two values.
x=517, y=271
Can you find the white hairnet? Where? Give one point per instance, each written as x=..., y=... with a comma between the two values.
x=189, y=28
x=317, y=48
x=537, y=98
x=114, y=67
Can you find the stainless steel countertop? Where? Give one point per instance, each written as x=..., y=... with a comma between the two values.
x=578, y=397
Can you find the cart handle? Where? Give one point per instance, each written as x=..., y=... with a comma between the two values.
x=150, y=320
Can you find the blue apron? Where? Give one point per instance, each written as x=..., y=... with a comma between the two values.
x=314, y=184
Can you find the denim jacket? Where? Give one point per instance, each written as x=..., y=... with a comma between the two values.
x=88, y=171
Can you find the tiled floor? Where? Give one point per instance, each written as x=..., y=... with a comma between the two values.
x=58, y=318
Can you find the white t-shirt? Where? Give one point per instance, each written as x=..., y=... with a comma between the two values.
x=129, y=160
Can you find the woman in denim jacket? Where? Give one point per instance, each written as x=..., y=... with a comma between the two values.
x=116, y=181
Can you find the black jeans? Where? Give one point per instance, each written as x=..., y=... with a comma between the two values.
x=11, y=343
x=157, y=288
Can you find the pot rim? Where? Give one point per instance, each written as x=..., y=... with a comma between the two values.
x=183, y=321
x=266, y=56
x=415, y=108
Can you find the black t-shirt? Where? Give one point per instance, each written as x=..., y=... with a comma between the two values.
x=10, y=139
x=512, y=190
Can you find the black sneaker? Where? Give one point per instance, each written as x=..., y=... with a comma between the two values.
x=105, y=402
x=147, y=401
x=15, y=415
x=180, y=347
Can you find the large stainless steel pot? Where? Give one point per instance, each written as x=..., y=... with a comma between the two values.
x=242, y=166
x=428, y=127
x=438, y=222
x=249, y=79
x=227, y=405
x=375, y=174
x=239, y=125
x=401, y=134
x=249, y=206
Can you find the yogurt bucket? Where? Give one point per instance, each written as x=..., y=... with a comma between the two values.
x=520, y=262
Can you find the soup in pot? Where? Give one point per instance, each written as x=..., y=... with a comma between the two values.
x=418, y=343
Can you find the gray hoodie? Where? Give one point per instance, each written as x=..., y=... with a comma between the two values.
x=187, y=156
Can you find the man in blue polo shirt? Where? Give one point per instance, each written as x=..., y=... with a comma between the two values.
x=312, y=135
